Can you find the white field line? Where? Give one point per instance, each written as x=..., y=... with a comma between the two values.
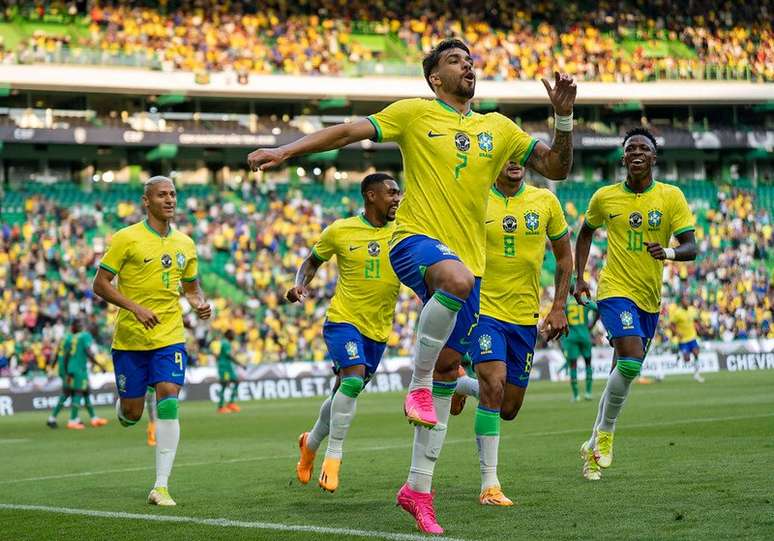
x=406, y=445
x=224, y=523
x=13, y=440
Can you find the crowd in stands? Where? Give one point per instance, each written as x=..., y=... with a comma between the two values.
x=255, y=241
x=605, y=41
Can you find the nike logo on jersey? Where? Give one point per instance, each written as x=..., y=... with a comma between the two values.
x=353, y=248
x=489, y=221
x=147, y=260
x=611, y=216
x=431, y=134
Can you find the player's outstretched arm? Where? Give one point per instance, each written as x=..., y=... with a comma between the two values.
x=304, y=277
x=555, y=323
x=582, y=248
x=685, y=251
x=555, y=162
x=103, y=287
x=319, y=141
x=195, y=296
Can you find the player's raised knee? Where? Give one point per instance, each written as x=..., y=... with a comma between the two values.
x=509, y=413
x=629, y=368
x=351, y=386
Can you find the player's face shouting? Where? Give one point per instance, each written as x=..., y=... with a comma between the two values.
x=161, y=200
x=456, y=72
x=387, y=199
x=639, y=156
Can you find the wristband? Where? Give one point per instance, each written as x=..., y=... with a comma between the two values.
x=563, y=122
x=670, y=253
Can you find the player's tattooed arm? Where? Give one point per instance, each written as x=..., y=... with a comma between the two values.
x=685, y=251
x=304, y=277
x=555, y=162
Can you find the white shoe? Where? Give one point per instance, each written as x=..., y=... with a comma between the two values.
x=160, y=496
x=698, y=378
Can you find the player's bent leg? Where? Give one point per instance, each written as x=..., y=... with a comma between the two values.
x=343, y=408
x=491, y=377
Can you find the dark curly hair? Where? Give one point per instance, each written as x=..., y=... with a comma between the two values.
x=641, y=131
x=431, y=60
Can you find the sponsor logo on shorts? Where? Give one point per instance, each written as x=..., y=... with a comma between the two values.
x=121, y=383
x=462, y=142
x=627, y=321
x=509, y=224
x=635, y=220
x=485, y=344
x=374, y=249
x=166, y=261
x=445, y=250
x=351, y=348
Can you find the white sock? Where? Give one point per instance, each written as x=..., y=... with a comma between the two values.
x=167, y=438
x=427, y=447
x=616, y=391
x=593, y=438
x=436, y=323
x=342, y=413
x=467, y=386
x=488, y=447
x=696, y=366
x=321, y=427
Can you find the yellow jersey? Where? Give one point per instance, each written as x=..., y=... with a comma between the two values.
x=450, y=161
x=684, y=321
x=367, y=289
x=149, y=269
x=516, y=231
x=632, y=219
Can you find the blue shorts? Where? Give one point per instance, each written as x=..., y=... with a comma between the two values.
x=136, y=370
x=495, y=340
x=688, y=347
x=410, y=258
x=348, y=347
x=621, y=317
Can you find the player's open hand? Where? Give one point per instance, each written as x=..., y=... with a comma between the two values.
x=264, y=158
x=554, y=325
x=655, y=250
x=562, y=95
x=582, y=292
x=204, y=310
x=146, y=317
x=297, y=294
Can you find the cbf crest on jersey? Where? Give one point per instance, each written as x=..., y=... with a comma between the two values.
x=509, y=224
x=166, y=261
x=485, y=344
x=485, y=141
x=635, y=220
x=654, y=218
x=374, y=249
x=180, y=258
x=532, y=222
x=462, y=142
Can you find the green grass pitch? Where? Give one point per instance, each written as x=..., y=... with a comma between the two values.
x=691, y=462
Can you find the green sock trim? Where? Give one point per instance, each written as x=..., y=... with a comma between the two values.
x=487, y=422
x=444, y=388
x=452, y=303
x=351, y=386
x=167, y=408
x=629, y=368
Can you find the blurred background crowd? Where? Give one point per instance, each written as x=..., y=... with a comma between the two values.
x=607, y=41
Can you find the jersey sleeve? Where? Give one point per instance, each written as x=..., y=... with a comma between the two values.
x=325, y=248
x=390, y=122
x=557, y=224
x=191, y=267
x=594, y=216
x=520, y=143
x=116, y=254
x=682, y=217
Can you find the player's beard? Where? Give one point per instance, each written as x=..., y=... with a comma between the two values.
x=465, y=91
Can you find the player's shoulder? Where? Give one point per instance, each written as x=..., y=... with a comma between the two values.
x=183, y=238
x=669, y=191
x=607, y=192
x=127, y=233
x=540, y=194
x=413, y=104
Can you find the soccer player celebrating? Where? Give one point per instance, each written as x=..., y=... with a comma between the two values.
x=519, y=218
x=683, y=323
x=227, y=375
x=151, y=260
x=641, y=216
x=450, y=156
x=359, y=319
x=581, y=319
x=79, y=348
